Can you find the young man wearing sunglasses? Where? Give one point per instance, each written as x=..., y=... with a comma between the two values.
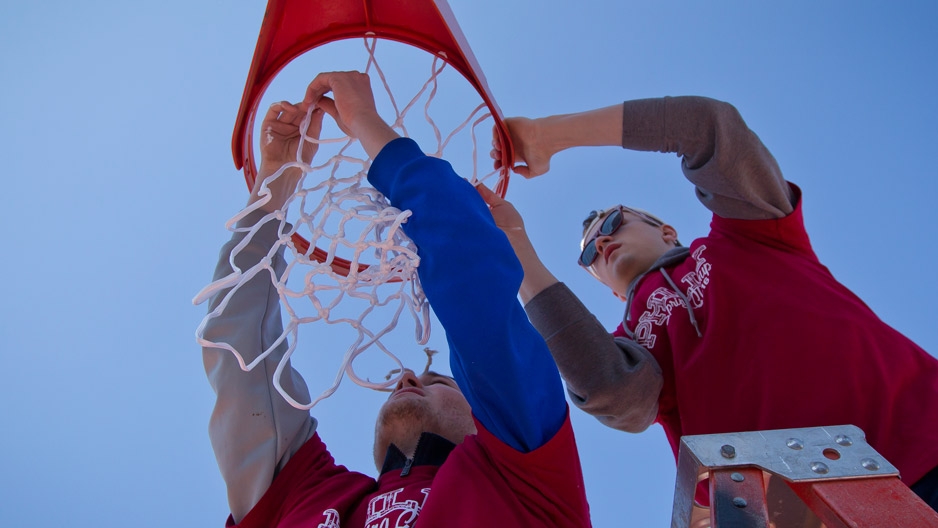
x=721, y=335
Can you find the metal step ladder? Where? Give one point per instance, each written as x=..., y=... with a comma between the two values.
x=810, y=477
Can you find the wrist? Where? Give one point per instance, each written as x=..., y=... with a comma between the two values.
x=280, y=189
x=518, y=238
x=266, y=169
x=373, y=133
x=552, y=134
x=593, y=128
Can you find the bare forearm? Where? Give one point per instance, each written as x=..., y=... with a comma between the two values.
x=374, y=134
x=280, y=189
x=537, y=277
x=593, y=128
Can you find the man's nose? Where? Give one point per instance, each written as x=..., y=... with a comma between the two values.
x=409, y=379
x=601, y=242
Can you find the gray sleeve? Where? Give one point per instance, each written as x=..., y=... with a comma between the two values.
x=734, y=173
x=253, y=430
x=614, y=379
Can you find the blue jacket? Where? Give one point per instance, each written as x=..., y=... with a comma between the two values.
x=471, y=277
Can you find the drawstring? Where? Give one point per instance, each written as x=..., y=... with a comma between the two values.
x=672, y=256
x=628, y=312
x=690, y=311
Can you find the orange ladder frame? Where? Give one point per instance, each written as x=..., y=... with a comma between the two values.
x=837, y=475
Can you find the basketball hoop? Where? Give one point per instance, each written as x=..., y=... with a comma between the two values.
x=293, y=27
x=331, y=282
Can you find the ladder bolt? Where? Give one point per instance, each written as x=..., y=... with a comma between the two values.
x=820, y=468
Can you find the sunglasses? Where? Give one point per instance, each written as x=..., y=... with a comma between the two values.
x=610, y=225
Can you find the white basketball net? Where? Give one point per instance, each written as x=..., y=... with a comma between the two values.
x=335, y=210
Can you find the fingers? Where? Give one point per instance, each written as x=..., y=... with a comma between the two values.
x=284, y=119
x=315, y=123
x=496, y=156
x=291, y=113
x=327, y=105
x=327, y=82
x=313, y=131
x=320, y=85
x=497, y=150
x=342, y=84
x=285, y=112
x=273, y=112
x=523, y=171
x=316, y=117
x=281, y=128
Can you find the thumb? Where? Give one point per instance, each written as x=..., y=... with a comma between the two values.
x=523, y=171
x=328, y=106
x=315, y=123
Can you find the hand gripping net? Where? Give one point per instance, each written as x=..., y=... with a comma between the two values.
x=337, y=212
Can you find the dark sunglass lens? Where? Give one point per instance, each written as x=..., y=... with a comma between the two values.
x=611, y=223
x=588, y=255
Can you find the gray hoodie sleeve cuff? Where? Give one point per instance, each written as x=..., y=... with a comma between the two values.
x=614, y=379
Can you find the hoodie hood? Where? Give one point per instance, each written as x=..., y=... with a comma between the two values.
x=671, y=257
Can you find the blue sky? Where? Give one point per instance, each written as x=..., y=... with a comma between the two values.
x=117, y=120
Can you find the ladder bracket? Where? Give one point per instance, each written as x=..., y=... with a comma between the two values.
x=798, y=455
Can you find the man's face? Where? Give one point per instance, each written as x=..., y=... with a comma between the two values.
x=430, y=402
x=629, y=250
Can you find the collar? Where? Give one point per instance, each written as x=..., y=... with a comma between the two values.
x=432, y=450
x=670, y=257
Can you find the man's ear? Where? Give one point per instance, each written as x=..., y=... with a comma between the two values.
x=669, y=234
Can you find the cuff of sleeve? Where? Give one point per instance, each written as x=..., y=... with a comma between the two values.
x=387, y=164
x=644, y=124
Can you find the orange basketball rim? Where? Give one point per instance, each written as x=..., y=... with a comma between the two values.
x=293, y=27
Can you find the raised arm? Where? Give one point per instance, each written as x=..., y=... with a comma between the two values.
x=734, y=174
x=468, y=271
x=537, y=140
x=253, y=430
x=623, y=392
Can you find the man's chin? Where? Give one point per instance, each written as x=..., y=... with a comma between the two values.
x=402, y=410
x=400, y=422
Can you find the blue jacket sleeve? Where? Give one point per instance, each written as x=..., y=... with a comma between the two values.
x=471, y=277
